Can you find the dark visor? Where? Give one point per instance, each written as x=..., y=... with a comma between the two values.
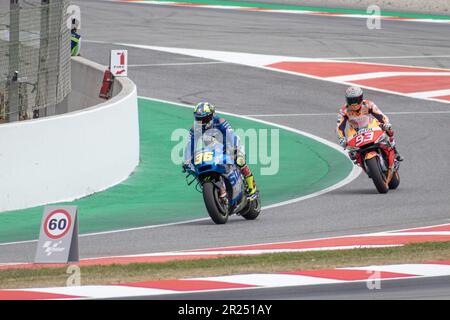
x=354, y=100
x=204, y=119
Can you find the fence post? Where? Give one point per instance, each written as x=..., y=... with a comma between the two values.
x=42, y=80
x=12, y=114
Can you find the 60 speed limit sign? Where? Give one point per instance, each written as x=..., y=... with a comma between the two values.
x=57, y=224
x=58, y=239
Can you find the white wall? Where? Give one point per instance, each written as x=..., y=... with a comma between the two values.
x=69, y=156
x=85, y=84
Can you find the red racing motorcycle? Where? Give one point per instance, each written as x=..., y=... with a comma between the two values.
x=373, y=152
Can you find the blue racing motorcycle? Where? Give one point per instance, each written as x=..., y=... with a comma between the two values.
x=222, y=184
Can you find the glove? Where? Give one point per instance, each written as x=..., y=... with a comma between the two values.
x=388, y=128
x=186, y=165
x=343, y=142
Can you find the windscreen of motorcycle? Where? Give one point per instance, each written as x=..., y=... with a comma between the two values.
x=366, y=121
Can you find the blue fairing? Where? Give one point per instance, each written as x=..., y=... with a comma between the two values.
x=210, y=166
x=237, y=198
x=218, y=164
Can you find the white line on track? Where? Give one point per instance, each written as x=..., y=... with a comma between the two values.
x=175, y=64
x=375, y=75
x=249, y=59
x=336, y=58
x=417, y=112
x=335, y=114
x=428, y=94
x=352, y=176
x=390, y=57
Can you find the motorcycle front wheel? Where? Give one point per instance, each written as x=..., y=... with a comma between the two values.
x=377, y=175
x=395, y=182
x=216, y=210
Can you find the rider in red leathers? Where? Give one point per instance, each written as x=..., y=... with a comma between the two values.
x=354, y=111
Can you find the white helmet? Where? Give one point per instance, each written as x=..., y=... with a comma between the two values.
x=354, y=98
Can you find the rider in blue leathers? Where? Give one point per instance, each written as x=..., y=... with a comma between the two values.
x=209, y=126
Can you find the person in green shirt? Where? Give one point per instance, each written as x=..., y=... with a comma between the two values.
x=75, y=40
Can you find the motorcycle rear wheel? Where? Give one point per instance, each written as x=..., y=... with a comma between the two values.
x=211, y=197
x=255, y=209
x=377, y=175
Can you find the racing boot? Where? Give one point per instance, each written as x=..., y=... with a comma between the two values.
x=352, y=156
x=251, y=185
x=250, y=181
x=398, y=156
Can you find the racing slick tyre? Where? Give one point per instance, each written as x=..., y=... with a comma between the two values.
x=217, y=212
x=395, y=181
x=377, y=175
x=254, y=210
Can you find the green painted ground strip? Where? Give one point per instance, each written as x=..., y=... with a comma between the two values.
x=305, y=8
x=157, y=193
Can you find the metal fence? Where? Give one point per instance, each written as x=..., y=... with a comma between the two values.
x=34, y=58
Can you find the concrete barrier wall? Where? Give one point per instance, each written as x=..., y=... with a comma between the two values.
x=82, y=94
x=440, y=7
x=69, y=156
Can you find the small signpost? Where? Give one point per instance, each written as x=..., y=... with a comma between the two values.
x=119, y=63
x=58, y=239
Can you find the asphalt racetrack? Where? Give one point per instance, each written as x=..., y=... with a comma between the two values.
x=410, y=289
x=422, y=132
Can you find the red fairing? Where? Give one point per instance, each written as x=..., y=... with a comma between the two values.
x=360, y=161
x=391, y=157
x=362, y=139
x=390, y=154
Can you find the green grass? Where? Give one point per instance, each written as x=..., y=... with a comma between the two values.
x=265, y=263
